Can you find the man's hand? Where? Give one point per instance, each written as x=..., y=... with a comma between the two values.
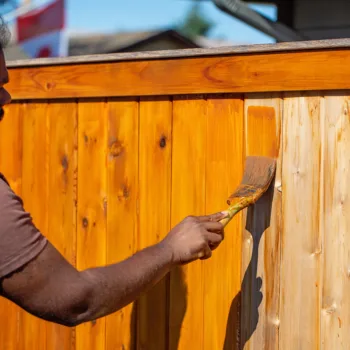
x=195, y=237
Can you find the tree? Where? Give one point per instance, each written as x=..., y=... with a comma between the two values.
x=195, y=23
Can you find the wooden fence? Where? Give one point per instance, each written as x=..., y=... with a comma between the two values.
x=108, y=153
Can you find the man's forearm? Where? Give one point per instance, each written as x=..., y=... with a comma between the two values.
x=115, y=286
x=61, y=294
x=51, y=288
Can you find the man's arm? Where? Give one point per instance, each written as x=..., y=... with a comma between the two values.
x=50, y=288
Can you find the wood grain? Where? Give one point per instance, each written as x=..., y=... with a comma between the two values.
x=92, y=196
x=35, y=194
x=301, y=243
x=122, y=217
x=11, y=138
x=224, y=170
x=63, y=195
x=229, y=74
x=261, y=234
x=188, y=198
x=335, y=223
x=154, y=205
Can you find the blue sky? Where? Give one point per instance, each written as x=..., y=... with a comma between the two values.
x=134, y=15
x=118, y=15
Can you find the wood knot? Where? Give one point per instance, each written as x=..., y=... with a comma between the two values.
x=64, y=163
x=123, y=193
x=116, y=148
x=162, y=142
x=331, y=309
x=85, y=222
x=86, y=139
x=50, y=85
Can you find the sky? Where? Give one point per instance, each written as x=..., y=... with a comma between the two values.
x=136, y=15
x=120, y=15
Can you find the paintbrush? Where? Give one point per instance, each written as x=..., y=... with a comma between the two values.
x=258, y=174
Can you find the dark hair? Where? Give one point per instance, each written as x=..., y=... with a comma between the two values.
x=5, y=33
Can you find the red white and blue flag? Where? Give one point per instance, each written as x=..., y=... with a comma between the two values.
x=41, y=31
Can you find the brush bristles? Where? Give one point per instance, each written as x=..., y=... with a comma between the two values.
x=257, y=177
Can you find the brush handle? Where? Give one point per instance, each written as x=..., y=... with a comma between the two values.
x=232, y=211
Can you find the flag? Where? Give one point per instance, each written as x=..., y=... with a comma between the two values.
x=41, y=32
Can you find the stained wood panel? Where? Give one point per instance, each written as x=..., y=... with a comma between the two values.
x=264, y=72
x=154, y=205
x=35, y=194
x=146, y=166
x=92, y=196
x=221, y=274
x=62, y=118
x=11, y=146
x=122, y=217
x=261, y=247
x=188, y=198
x=335, y=223
x=301, y=244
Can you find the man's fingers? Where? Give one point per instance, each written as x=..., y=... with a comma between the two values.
x=213, y=238
x=212, y=217
x=206, y=253
x=213, y=226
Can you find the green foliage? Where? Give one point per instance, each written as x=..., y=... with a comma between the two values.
x=195, y=23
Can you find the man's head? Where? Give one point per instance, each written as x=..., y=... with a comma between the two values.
x=5, y=36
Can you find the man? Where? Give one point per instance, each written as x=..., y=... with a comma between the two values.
x=35, y=276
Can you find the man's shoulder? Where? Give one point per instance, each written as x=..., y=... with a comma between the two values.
x=4, y=180
x=7, y=195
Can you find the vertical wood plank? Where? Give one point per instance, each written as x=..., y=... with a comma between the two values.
x=154, y=204
x=261, y=234
x=301, y=239
x=188, y=198
x=35, y=196
x=63, y=194
x=91, y=219
x=122, y=174
x=11, y=145
x=336, y=223
x=224, y=169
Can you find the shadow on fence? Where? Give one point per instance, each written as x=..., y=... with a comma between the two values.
x=244, y=311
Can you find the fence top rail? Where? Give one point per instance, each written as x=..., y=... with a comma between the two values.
x=187, y=53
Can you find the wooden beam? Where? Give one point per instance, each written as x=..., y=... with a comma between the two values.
x=316, y=70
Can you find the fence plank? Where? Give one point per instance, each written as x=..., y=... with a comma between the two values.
x=336, y=223
x=188, y=198
x=154, y=206
x=301, y=240
x=261, y=248
x=11, y=145
x=264, y=72
x=36, y=199
x=91, y=219
x=122, y=174
x=224, y=169
x=62, y=205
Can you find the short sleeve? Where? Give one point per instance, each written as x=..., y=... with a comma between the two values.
x=20, y=240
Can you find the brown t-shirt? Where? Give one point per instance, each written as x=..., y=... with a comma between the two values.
x=20, y=240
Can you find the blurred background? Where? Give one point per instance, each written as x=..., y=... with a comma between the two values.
x=60, y=28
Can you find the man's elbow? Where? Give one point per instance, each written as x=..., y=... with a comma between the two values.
x=70, y=305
